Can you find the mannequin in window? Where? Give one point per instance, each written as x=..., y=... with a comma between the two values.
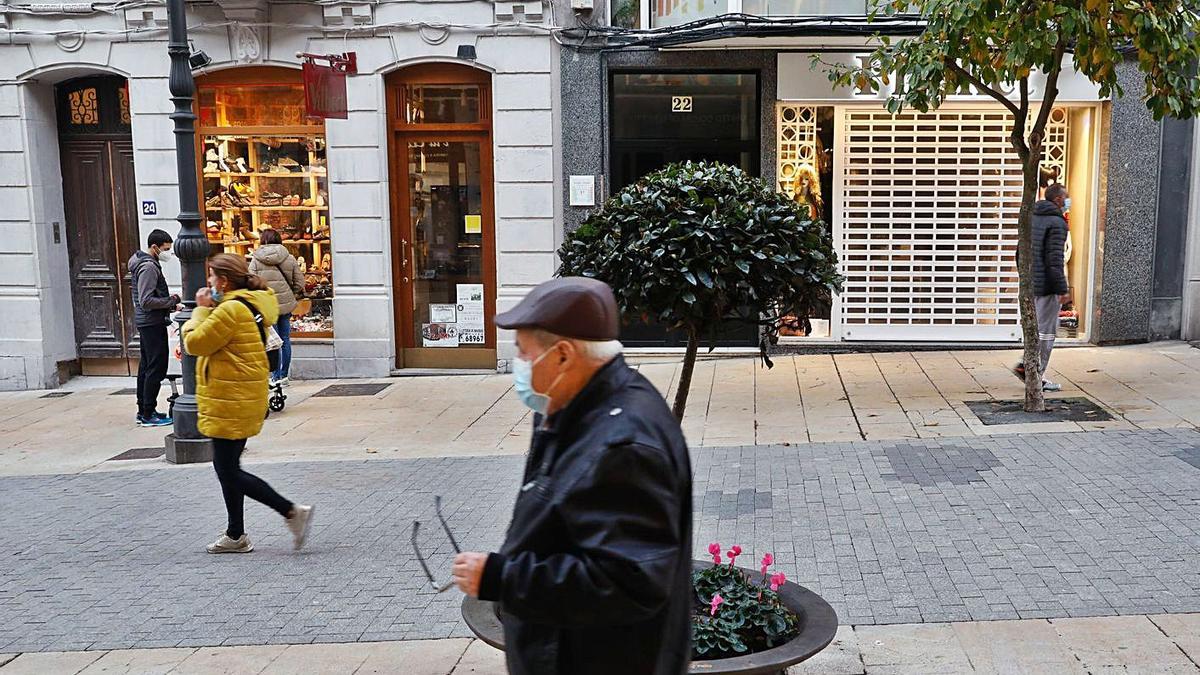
x=806, y=191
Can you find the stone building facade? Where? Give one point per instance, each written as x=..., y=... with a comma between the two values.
x=432, y=205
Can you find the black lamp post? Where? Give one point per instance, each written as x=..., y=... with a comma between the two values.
x=186, y=444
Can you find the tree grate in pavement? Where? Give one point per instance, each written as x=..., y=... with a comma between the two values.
x=362, y=389
x=127, y=391
x=1190, y=455
x=139, y=453
x=56, y=394
x=1076, y=409
x=744, y=502
x=930, y=467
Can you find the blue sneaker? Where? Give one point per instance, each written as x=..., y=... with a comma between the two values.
x=155, y=420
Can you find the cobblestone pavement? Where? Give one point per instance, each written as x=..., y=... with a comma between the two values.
x=1005, y=527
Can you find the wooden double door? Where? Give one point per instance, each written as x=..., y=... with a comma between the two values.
x=100, y=204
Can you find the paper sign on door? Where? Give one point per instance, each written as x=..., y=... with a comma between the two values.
x=474, y=224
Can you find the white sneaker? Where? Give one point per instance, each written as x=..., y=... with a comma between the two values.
x=285, y=381
x=1047, y=385
x=225, y=544
x=299, y=522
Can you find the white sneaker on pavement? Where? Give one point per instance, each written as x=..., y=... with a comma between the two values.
x=1047, y=385
x=226, y=544
x=299, y=522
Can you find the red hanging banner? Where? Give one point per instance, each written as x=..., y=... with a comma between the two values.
x=325, y=85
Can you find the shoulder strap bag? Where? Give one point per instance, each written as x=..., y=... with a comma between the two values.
x=270, y=337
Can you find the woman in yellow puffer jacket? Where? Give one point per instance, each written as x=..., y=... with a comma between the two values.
x=231, y=390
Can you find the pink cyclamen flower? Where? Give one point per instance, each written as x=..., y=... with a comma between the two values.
x=766, y=562
x=778, y=580
x=733, y=553
x=714, y=604
x=714, y=549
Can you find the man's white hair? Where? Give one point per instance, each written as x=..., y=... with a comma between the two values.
x=600, y=351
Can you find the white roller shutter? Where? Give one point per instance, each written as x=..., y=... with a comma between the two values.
x=927, y=224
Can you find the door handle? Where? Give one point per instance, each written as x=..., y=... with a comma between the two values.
x=404, y=258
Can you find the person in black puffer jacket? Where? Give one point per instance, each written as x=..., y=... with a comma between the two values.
x=1050, y=288
x=153, y=303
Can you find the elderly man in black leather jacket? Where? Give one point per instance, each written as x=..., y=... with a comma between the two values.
x=595, y=572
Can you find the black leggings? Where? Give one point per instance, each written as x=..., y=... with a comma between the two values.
x=236, y=485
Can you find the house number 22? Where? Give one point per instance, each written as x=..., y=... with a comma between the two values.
x=681, y=104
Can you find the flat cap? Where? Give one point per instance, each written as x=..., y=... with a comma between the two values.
x=573, y=307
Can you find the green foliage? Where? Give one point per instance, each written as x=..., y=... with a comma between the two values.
x=995, y=44
x=751, y=618
x=695, y=243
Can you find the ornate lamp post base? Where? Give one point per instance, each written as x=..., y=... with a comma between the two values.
x=188, y=450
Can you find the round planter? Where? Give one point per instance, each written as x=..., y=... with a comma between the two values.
x=818, y=624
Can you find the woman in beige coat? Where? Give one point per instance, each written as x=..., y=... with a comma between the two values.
x=274, y=264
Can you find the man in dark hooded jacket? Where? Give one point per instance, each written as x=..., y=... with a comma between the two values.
x=1050, y=288
x=153, y=303
x=594, y=576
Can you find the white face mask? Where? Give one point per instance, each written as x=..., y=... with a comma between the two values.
x=166, y=255
x=1066, y=204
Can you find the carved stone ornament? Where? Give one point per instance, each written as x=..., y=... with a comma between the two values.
x=70, y=41
x=246, y=44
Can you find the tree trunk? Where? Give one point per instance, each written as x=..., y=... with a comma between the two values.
x=1034, y=398
x=685, y=377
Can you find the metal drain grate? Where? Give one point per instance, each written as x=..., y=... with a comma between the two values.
x=1076, y=409
x=56, y=394
x=140, y=453
x=127, y=391
x=364, y=389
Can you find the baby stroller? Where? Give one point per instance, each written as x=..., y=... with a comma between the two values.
x=276, y=398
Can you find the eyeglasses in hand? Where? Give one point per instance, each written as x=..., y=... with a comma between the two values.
x=437, y=505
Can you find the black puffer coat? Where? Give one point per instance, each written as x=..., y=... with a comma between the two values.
x=1049, y=243
x=595, y=573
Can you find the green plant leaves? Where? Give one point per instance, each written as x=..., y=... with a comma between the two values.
x=698, y=242
x=751, y=617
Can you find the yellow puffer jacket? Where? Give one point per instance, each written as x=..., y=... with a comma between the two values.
x=231, y=368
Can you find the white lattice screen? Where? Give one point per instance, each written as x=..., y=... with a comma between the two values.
x=1054, y=146
x=797, y=144
x=928, y=224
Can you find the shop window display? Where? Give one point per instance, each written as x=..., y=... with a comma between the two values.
x=264, y=166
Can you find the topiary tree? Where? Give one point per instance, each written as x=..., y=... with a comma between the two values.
x=697, y=243
x=998, y=47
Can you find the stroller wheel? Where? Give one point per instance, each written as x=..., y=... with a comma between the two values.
x=276, y=403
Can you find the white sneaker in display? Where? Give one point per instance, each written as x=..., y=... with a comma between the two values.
x=299, y=522
x=225, y=544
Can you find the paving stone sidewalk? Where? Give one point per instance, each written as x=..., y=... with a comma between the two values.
x=1158, y=644
x=965, y=529
x=734, y=401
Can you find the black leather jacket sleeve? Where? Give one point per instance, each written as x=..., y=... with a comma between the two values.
x=622, y=519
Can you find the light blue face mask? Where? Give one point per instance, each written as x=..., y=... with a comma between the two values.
x=215, y=294
x=523, y=384
x=1066, y=205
